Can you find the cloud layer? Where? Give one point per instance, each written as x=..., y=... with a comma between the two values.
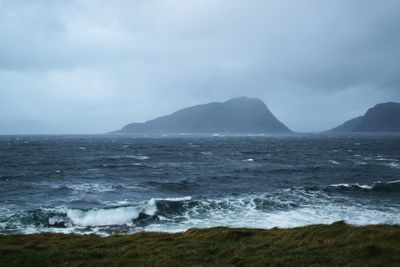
x=92, y=66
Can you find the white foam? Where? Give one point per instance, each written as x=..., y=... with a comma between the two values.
x=340, y=185
x=352, y=185
x=393, y=182
x=86, y=187
x=35, y=230
x=360, y=163
x=176, y=198
x=99, y=217
x=365, y=186
x=395, y=165
x=386, y=159
x=150, y=208
x=246, y=211
x=323, y=214
x=55, y=219
x=193, y=145
x=132, y=187
x=141, y=157
x=334, y=162
x=123, y=202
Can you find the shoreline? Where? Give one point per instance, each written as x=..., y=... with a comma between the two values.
x=337, y=244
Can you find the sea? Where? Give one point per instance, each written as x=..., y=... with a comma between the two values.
x=115, y=184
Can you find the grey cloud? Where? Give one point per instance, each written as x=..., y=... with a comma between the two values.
x=123, y=61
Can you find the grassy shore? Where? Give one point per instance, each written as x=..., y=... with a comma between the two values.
x=338, y=244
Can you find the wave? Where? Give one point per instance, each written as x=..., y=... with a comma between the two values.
x=177, y=186
x=10, y=177
x=124, y=165
x=378, y=186
x=99, y=217
x=91, y=188
x=141, y=157
x=350, y=186
x=394, y=165
x=156, y=210
x=286, y=208
x=119, y=157
x=86, y=187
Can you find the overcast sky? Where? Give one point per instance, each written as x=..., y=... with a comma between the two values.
x=91, y=66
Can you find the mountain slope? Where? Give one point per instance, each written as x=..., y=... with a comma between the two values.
x=237, y=115
x=383, y=117
x=348, y=126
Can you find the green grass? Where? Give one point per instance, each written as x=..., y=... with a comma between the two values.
x=338, y=244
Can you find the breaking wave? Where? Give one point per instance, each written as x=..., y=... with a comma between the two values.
x=287, y=208
x=386, y=187
x=155, y=211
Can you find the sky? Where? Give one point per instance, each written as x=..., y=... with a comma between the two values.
x=92, y=66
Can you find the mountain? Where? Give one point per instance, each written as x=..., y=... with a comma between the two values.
x=348, y=126
x=237, y=115
x=381, y=118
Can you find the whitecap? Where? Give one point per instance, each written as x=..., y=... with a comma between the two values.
x=365, y=186
x=99, y=217
x=141, y=157
x=340, y=185
x=86, y=187
x=360, y=163
x=394, y=165
x=352, y=185
x=151, y=207
x=193, y=145
x=176, y=198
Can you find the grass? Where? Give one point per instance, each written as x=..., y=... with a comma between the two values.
x=337, y=244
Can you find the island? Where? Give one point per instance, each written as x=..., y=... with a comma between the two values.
x=241, y=115
x=383, y=117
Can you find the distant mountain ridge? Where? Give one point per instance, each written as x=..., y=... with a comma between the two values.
x=241, y=115
x=383, y=117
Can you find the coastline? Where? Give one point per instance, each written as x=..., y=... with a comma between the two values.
x=338, y=244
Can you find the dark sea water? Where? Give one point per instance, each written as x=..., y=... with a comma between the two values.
x=115, y=184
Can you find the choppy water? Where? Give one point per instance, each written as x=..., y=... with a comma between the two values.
x=112, y=184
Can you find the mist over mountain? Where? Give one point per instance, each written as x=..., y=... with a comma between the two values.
x=383, y=117
x=237, y=115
